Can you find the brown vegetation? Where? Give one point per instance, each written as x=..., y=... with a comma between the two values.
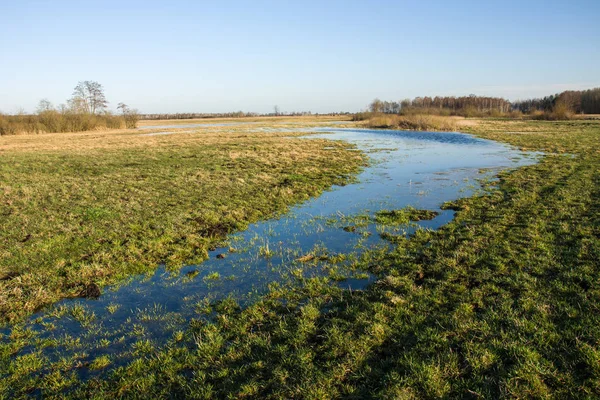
x=578, y=102
x=563, y=106
x=466, y=106
x=56, y=121
x=412, y=122
x=86, y=111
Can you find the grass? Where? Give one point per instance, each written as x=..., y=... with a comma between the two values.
x=403, y=216
x=100, y=363
x=503, y=302
x=98, y=207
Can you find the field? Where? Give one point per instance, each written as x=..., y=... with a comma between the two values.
x=82, y=209
x=502, y=302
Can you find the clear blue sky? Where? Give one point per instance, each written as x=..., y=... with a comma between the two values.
x=170, y=56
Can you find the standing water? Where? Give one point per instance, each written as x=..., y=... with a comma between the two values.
x=419, y=169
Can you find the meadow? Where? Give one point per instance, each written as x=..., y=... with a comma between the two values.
x=502, y=302
x=92, y=208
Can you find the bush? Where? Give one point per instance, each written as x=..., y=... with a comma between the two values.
x=131, y=119
x=114, y=122
x=362, y=116
x=444, y=112
x=470, y=112
x=515, y=114
x=55, y=121
x=560, y=112
x=415, y=122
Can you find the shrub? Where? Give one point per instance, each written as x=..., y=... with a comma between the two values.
x=515, y=114
x=362, y=116
x=55, y=121
x=131, y=119
x=415, y=122
x=560, y=112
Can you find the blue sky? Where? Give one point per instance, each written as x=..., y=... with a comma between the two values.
x=196, y=56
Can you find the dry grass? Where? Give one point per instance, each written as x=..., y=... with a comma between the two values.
x=127, y=138
x=587, y=116
x=416, y=122
x=267, y=120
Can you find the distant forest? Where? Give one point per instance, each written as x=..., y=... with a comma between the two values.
x=579, y=102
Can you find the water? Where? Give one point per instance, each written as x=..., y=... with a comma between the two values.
x=420, y=169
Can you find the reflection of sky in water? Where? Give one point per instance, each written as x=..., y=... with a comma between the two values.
x=419, y=169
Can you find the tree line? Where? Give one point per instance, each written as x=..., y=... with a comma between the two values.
x=85, y=110
x=452, y=104
x=570, y=101
x=578, y=101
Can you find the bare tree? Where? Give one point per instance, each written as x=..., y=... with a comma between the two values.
x=276, y=110
x=131, y=115
x=88, y=97
x=44, y=105
x=77, y=105
x=376, y=106
x=122, y=107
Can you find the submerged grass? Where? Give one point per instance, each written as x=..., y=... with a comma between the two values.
x=94, y=208
x=403, y=216
x=503, y=302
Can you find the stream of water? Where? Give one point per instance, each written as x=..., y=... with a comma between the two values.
x=420, y=169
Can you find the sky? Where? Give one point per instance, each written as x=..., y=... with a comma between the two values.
x=320, y=56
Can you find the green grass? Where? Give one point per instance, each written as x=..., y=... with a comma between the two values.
x=100, y=363
x=98, y=207
x=503, y=302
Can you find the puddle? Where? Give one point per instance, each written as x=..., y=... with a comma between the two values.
x=419, y=169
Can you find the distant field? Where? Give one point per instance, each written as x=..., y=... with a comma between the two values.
x=265, y=120
x=587, y=116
